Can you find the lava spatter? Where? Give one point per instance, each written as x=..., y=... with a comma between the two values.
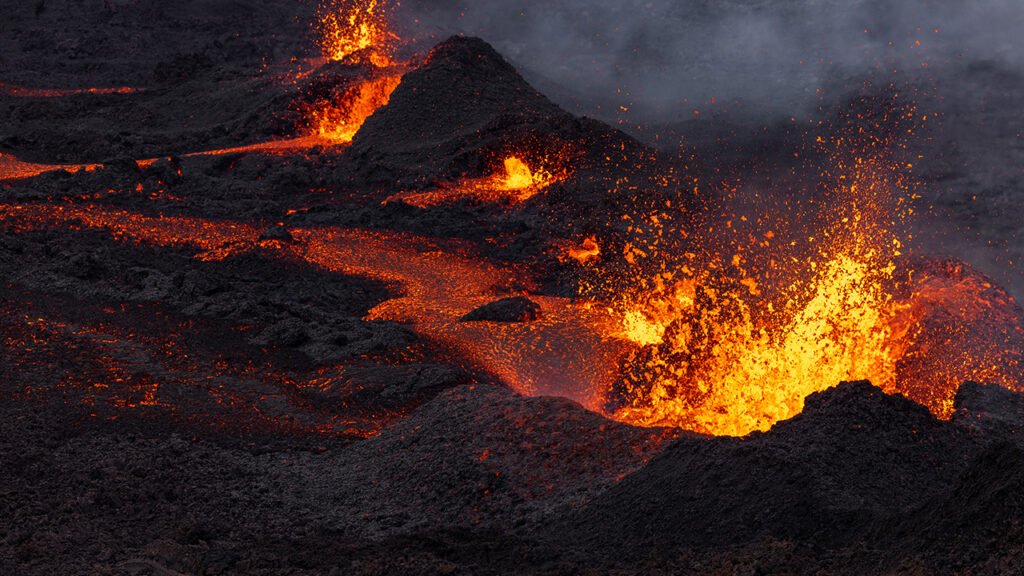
x=514, y=182
x=732, y=340
x=356, y=31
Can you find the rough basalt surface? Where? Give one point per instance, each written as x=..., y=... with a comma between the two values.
x=163, y=414
x=514, y=309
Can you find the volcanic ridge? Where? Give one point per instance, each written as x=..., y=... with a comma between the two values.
x=455, y=341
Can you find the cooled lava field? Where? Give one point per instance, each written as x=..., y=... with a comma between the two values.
x=302, y=288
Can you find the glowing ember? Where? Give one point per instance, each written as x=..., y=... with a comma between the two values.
x=13, y=169
x=587, y=252
x=26, y=92
x=515, y=182
x=348, y=27
x=719, y=355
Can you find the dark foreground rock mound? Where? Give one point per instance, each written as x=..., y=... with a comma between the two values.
x=853, y=465
x=990, y=410
x=475, y=456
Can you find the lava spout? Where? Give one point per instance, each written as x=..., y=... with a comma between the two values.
x=347, y=27
x=514, y=182
x=355, y=32
x=731, y=340
x=339, y=121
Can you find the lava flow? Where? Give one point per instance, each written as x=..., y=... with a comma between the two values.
x=566, y=352
x=350, y=32
x=515, y=182
x=13, y=169
x=27, y=92
x=355, y=32
x=156, y=368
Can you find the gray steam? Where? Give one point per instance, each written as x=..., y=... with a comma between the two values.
x=659, y=60
x=648, y=65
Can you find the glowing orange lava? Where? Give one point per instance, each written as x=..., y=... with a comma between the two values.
x=587, y=252
x=13, y=169
x=356, y=30
x=348, y=27
x=567, y=352
x=339, y=122
x=515, y=182
x=26, y=92
x=723, y=353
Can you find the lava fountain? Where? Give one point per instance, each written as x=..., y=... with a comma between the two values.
x=347, y=27
x=355, y=32
x=732, y=344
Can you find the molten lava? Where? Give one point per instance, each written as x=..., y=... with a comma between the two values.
x=348, y=27
x=338, y=122
x=13, y=169
x=352, y=30
x=27, y=92
x=518, y=176
x=513, y=183
x=587, y=252
x=729, y=345
x=566, y=353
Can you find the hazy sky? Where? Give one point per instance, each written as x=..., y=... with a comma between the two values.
x=663, y=58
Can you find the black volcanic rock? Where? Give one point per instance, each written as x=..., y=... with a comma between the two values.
x=990, y=409
x=475, y=454
x=977, y=523
x=463, y=86
x=989, y=401
x=465, y=106
x=277, y=233
x=465, y=110
x=851, y=458
x=388, y=386
x=514, y=309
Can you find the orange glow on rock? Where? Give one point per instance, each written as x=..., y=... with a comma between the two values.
x=28, y=92
x=13, y=169
x=564, y=353
x=588, y=251
x=339, y=122
x=355, y=30
x=515, y=182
